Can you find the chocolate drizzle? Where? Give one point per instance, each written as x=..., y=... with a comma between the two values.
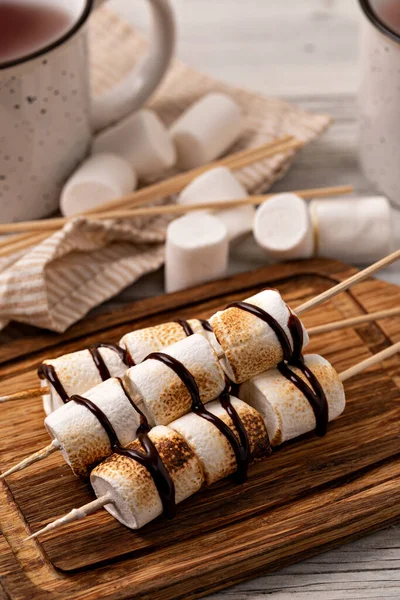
x=312, y=389
x=148, y=458
x=271, y=321
x=240, y=447
x=206, y=325
x=48, y=372
x=101, y=417
x=185, y=326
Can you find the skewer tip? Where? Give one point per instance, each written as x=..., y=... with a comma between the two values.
x=25, y=394
x=30, y=460
x=76, y=514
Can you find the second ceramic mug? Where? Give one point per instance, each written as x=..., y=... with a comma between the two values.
x=379, y=98
x=47, y=117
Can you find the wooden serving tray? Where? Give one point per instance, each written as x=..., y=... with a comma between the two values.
x=310, y=495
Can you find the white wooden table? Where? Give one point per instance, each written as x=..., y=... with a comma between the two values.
x=306, y=51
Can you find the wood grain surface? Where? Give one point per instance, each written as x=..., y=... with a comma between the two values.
x=311, y=495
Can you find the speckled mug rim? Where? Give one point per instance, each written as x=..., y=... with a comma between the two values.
x=376, y=21
x=59, y=42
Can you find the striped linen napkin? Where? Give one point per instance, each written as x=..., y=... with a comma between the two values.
x=56, y=283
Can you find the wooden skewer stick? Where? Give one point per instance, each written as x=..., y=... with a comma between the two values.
x=27, y=241
x=354, y=321
x=30, y=460
x=74, y=515
x=345, y=285
x=82, y=512
x=163, y=188
x=179, y=209
x=32, y=393
x=30, y=239
x=370, y=362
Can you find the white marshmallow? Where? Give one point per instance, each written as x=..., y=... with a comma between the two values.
x=99, y=178
x=286, y=411
x=196, y=251
x=206, y=130
x=142, y=139
x=135, y=498
x=212, y=448
x=141, y=342
x=78, y=373
x=283, y=227
x=357, y=230
x=83, y=439
x=216, y=185
x=249, y=344
x=163, y=394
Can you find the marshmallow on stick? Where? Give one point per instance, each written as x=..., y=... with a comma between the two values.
x=283, y=227
x=212, y=448
x=128, y=489
x=286, y=411
x=77, y=373
x=81, y=437
x=134, y=497
x=122, y=499
x=249, y=343
x=217, y=185
x=357, y=230
x=138, y=344
x=161, y=391
x=150, y=390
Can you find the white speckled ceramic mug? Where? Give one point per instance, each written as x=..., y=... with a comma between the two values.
x=379, y=98
x=46, y=114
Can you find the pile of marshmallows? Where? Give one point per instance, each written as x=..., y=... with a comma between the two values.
x=356, y=230
x=140, y=148
x=286, y=227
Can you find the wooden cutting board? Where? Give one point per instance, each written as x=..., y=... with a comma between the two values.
x=311, y=494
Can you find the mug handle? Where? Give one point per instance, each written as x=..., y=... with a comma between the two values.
x=131, y=93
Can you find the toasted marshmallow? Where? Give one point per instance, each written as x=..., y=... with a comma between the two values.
x=249, y=343
x=78, y=373
x=286, y=411
x=212, y=448
x=141, y=342
x=135, y=498
x=82, y=438
x=162, y=392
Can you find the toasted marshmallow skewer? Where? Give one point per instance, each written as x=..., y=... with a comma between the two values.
x=286, y=411
x=162, y=393
x=118, y=492
x=77, y=371
x=151, y=388
x=250, y=345
x=194, y=453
